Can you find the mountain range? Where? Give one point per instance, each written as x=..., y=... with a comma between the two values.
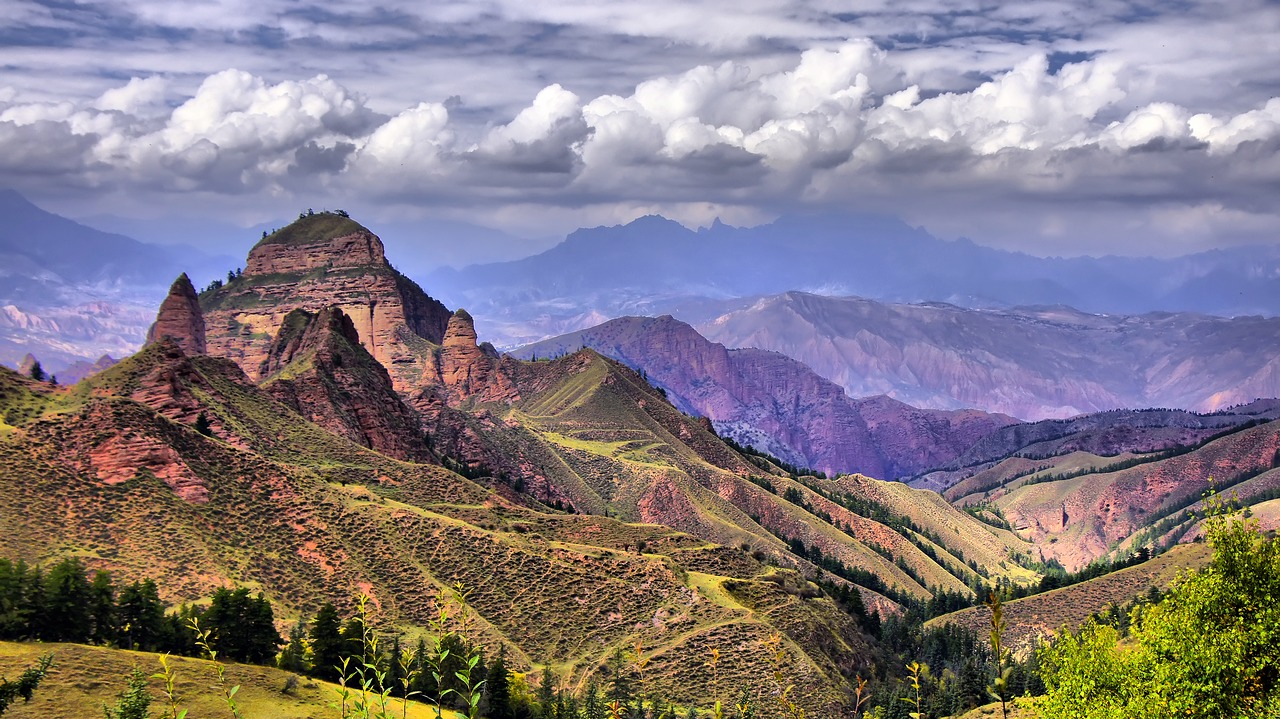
x=771, y=402
x=70, y=293
x=318, y=425
x=653, y=266
x=1032, y=363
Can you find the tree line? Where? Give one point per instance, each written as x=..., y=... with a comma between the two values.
x=66, y=604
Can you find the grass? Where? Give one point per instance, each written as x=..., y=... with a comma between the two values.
x=85, y=678
x=1040, y=615
x=309, y=517
x=313, y=228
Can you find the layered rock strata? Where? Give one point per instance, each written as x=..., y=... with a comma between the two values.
x=180, y=318
x=320, y=261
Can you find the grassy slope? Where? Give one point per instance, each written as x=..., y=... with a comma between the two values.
x=961, y=533
x=84, y=678
x=308, y=517
x=1041, y=615
x=621, y=447
x=1104, y=511
x=1011, y=473
x=313, y=228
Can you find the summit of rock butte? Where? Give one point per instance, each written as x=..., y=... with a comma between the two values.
x=180, y=318
x=319, y=261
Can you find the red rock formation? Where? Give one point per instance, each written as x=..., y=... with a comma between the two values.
x=180, y=318
x=469, y=371
x=321, y=261
x=318, y=367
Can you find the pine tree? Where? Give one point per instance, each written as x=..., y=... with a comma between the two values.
x=26, y=684
x=102, y=609
x=293, y=657
x=140, y=616
x=177, y=635
x=546, y=693
x=134, y=702
x=326, y=643
x=592, y=704
x=619, y=679
x=15, y=599
x=37, y=372
x=242, y=628
x=66, y=616
x=353, y=643
x=498, y=688
x=203, y=426
x=395, y=669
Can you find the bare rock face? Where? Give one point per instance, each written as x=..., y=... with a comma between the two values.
x=469, y=371
x=180, y=318
x=771, y=402
x=320, y=261
x=317, y=366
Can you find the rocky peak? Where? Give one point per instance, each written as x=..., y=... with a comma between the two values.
x=302, y=332
x=27, y=364
x=467, y=369
x=318, y=367
x=461, y=331
x=180, y=318
x=320, y=261
x=314, y=241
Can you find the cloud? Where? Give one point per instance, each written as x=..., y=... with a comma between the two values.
x=909, y=107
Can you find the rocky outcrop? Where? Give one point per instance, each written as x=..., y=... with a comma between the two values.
x=769, y=401
x=326, y=260
x=317, y=367
x=180, y=318
x=469, y=371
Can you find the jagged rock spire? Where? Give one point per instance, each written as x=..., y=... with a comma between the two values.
x=180, y=318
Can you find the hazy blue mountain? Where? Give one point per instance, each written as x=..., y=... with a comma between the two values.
x=653, y=265
x=71, y=293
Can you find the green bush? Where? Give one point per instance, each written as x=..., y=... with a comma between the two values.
x=1210, y=649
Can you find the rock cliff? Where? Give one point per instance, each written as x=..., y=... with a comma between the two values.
x=180, y=318
x=469, y=370
x=319, y=261
x=318, y=368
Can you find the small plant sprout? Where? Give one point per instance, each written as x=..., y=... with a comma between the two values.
x=717, y=711
x=860, y=696
x=1000, y=687
x=474, y=688
x=169, y=677
x=439, y=653
x=779, y=657
x=641, y=661
x=410, y=671
x=915, y=672
x=745, y=706
x=203, y=637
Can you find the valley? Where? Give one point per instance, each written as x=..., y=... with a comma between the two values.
x=318, y=427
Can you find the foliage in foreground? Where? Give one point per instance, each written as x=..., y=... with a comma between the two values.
x=1210, y=649
x=26, y=684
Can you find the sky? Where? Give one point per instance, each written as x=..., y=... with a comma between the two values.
x=1147, y=127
